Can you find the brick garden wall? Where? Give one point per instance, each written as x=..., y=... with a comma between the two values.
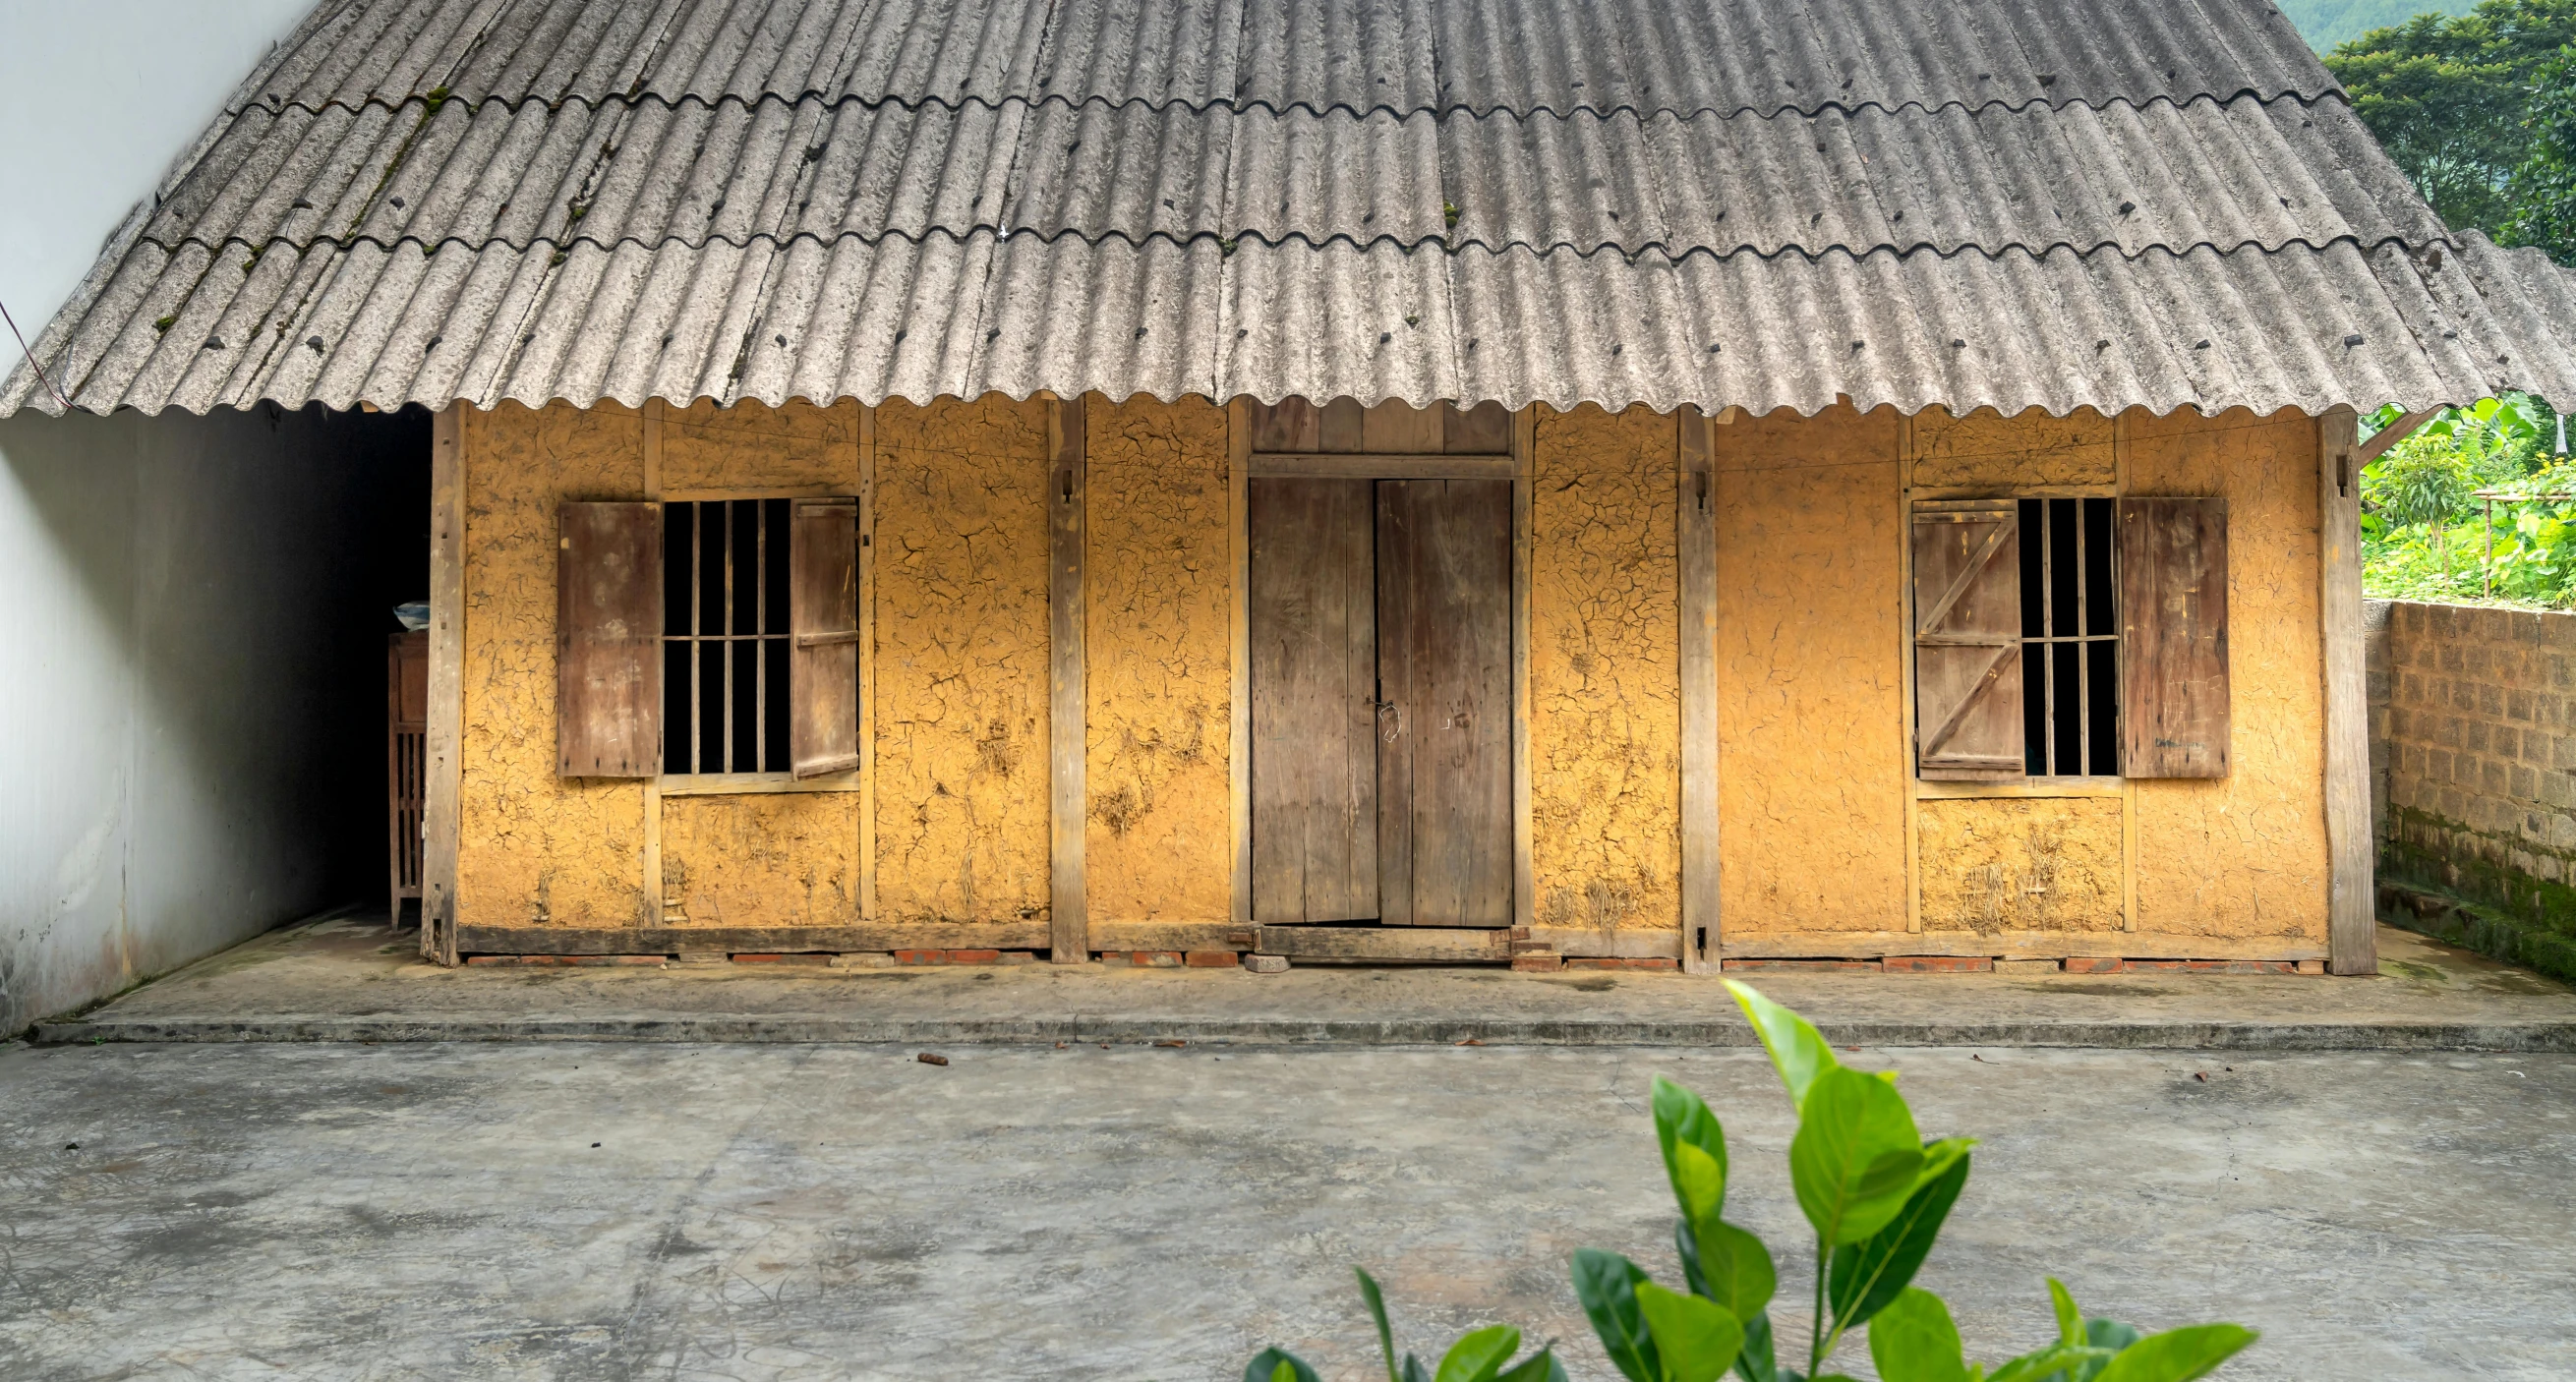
x=2473, y=775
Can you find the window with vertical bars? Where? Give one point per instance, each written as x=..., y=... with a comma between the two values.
x=725, y=637
x=2070, y=638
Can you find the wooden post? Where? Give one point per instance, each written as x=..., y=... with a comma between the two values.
x=2352, y=937
x=651, y=876
x=1067, y=718
x=1695, y=530
x=1238, y=475
x=440, y=812
x=867, y=476
x=1524, y=538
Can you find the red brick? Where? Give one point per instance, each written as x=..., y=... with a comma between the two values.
x=2312, y=966
x=1537, y=962
x=759, y=959
x=920, y=957
x=2211, y=966
x=1621, y=962
x=1155, y=959
x=2092, y=964
x=1816, y=966
x=1211, y=959
x=1938, y=964
x=972, y=957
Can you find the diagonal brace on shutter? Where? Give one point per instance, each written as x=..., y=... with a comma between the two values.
x=1967, y=639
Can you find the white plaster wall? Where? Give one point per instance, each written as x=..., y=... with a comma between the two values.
x=192, y=623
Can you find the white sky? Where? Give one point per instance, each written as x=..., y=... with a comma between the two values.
x=96, y=98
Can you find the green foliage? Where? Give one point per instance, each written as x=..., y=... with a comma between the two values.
x=2540, y=193
x=2424, y=533
x=1876, y=1195
x=2449, y=98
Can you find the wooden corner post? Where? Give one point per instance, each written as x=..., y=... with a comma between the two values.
x=2352, y=939
x=1695, y=531
x=441, y=807
x=1067, y=719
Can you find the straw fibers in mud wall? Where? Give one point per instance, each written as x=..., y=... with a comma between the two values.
x=1605, y=672
x=2020, y=863
x=1812, y=769
x=961, y=658
x=2245, y=855
x=2030, y=450
x=535, y=847
x=762, y=859
x=752, y=448
x=1157, y=644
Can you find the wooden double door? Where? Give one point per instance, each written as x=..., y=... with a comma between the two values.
x=1381, y=637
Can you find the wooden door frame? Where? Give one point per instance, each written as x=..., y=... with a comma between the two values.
x=1242, y=464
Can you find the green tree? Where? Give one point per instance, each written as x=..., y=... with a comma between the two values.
x=2451, y=99
x=2542, y=191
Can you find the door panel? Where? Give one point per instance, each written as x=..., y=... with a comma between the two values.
x=1444, y=750
x=1314, y=654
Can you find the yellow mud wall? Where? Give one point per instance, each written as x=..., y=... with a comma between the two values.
x=1605, y=671
x=1812, y=764
x=2244, y=856
x=533, y=847
x=2021, y=863
x=960, y=564
x=1157, y=645
x=772, y=858
x=2031, y=450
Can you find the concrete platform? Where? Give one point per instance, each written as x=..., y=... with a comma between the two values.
x=342, y=979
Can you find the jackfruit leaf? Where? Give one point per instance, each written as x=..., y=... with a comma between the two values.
x=1414, y=1371
x=1914, y=1340
x=1278, y=1365
x=1856, y=1156
x=1755, y=1362
x=1606, y=1283
x=1682, y=1120
x=1735, y=1270
x=1797, y=1052
x=2111, y=1334
x=1542, y=1366
x=2048, y=1364
x=2070, y=1321
x=1377, y=1311
x=1696, y=1339
x=2178, y=1355
x=1479, y=1356
x=1869, y=1274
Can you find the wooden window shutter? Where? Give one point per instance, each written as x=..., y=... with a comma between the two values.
x=608, y=640
x=823, y=613
x=1967, y=640
x=2173, y=638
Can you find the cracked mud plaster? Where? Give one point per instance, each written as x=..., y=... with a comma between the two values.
x=2245, y=855
x=1987, y=451
x=1812, y=770
x=1158, y=644
x=961, y=660
x=534, y=847
x=2020, y=864
x=1605, y=671
x=753, y=447
x=762, y=859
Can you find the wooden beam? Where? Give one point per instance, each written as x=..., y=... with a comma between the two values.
x=441, y=808
x=757, y=940
x=2390, y=435
x=1067, y=713
x=867, y=476
x=1381, y=465
x=1524, y=540
x=1625, y=942
x=1238, y=473
x=650, y=876
x=1418, y=944
x=2352, y=928
x=1169, y=935
x=1695, y=530
x=2017, y=945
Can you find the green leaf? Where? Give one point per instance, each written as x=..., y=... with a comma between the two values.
x=1735, y=1270
x=2048, y=1362
x=1377, y=1311
x=1683, y=1124
x=1856, y=1155
x=1797, y=1052
x=2070, y=1321
x=1414, y=1371
x=1696, y=1339
x=1606, y=1283
x=1755, y=1362
x=1278, y=1365
x=1869, y=1274
x=2178, y=1355
x=2111, y=1334
x=1913, y=1339
x=1480, y=1355
x=1542, y=1366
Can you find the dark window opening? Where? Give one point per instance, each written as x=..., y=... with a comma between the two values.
x=724, y=636
x=2070, y=638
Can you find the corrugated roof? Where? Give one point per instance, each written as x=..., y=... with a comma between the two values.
x=1999, y=202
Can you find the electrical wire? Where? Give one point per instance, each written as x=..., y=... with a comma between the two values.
x=31, y=358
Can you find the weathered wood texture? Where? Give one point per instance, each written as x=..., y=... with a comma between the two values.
x=608, y=640
x=823, y=617
x=406, y=762
x=1067, y=691
x=2018, y=945
x=442, y=792
x=758, y=940
x=2352, y=931
x=1967, y=639
x=1239, y=422
x=2173, y=637
x=1445, y=702
x=1695, y=534
x=1450, y=945
x=1370, y=465
x=1294, y=426
x=1313, y=634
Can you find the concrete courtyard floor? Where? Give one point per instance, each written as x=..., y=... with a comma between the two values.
x=1133, y=1212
